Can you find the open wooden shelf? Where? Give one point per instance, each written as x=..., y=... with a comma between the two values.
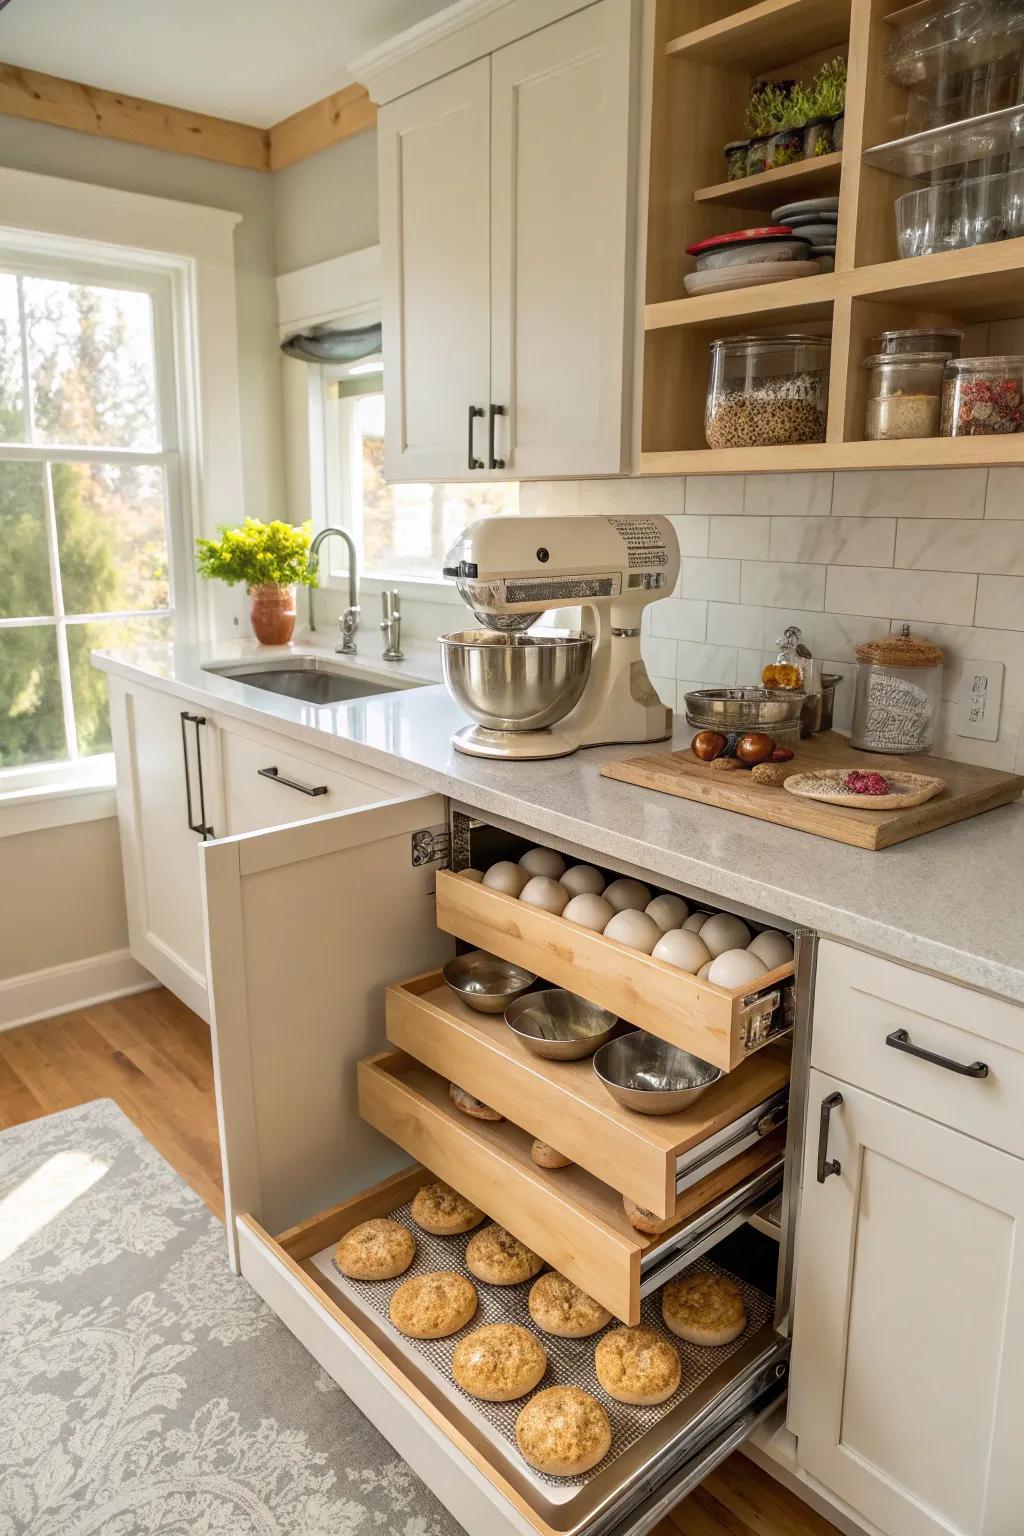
x=700, y=86
x=784, y=184
x=766, y=35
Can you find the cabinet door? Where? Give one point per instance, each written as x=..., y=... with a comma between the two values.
x=306, y=926
x=433, y=146
x=561, y=232
x=167, y=777
x=907, y=1390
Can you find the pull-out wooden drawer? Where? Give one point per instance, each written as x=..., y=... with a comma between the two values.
x=434, y=1427
x=571, y=1219
x=719, y=1024
x=564, y=1102
x=873, y=1019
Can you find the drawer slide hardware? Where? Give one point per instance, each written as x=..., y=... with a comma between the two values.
x=900, y=1041
x=709, y=1227
x=432, y=845
x=277, y=777
x=826, y=1165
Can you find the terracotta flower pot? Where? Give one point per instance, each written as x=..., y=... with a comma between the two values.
x=273, y=614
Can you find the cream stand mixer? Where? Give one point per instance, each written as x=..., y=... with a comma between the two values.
x=545, y=694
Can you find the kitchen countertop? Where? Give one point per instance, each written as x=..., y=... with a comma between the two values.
x=950, y=902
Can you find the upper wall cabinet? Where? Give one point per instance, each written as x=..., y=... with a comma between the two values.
x=507, y=225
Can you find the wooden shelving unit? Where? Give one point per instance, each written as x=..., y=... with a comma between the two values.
x=705, y=55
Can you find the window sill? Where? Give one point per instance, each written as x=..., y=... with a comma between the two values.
x=58, y=805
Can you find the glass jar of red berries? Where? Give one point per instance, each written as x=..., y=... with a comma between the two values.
x=983, y=396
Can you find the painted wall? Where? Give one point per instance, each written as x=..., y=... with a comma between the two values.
x=327, y=205
x=82, y=862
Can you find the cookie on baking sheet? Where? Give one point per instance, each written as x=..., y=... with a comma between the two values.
x=545, y=1156
x=561, y=1308
x=498, y=1258
x=442, y=1210
x=646, y=1221
x=375, y=1250
x=563, y=1431
x=704, y=1308
x=636, y=1365
x=499, y=1362
x=470, y=1105
x=433, y=1306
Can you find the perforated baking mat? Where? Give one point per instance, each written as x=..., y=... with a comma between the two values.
x=570, y=1361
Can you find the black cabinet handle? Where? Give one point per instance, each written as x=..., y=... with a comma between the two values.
x=303, y=789
x=200, y=827
x=826, y=1165
x=495, y=412
x=471, y=459
x=900, y=1041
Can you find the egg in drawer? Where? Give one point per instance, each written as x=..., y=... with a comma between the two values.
x=577, y=1223
x=722, y=1025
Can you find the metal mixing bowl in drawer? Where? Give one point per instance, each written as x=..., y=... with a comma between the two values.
x=559, y=1025
x=648, y=1074
x=486, y=982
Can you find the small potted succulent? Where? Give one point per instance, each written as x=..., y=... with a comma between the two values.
x=788, y=118
x=827, y=100
x=760, y=123
x=272, y=559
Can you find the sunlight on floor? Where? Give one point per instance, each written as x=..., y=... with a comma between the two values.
x=44, y=1194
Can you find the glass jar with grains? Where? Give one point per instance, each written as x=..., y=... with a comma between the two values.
x=766, y=391
x=904, y=395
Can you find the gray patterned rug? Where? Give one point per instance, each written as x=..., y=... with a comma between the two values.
x=144, y=1390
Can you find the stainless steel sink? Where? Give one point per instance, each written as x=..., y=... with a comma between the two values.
x=313, y=679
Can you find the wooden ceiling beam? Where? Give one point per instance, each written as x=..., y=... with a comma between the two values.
x=133, y=120
x=339, y=116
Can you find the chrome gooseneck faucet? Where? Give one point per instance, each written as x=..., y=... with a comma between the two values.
x=348, y=623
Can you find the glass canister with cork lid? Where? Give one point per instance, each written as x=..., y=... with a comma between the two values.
x=899, y=687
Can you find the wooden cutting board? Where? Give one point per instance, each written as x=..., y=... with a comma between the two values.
x=968, y=791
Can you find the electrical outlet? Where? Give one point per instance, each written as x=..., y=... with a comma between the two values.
x=981, y=693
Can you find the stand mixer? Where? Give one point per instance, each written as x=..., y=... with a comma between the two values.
x=544, y=695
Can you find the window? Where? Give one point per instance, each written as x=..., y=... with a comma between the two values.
x=88, y=497
x=402, y=531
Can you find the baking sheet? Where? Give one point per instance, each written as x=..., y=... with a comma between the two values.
x=570, y=1361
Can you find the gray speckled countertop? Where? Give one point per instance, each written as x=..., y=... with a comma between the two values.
x=950, y=902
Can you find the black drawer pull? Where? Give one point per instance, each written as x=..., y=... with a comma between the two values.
x=303, y=789
x=200, y=826
x=900, y=1041
x=826, y=1165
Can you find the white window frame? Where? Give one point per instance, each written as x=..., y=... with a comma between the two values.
x=186, y=253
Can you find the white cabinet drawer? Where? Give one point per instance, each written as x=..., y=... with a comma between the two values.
x=267, y=787
x=862, y=1002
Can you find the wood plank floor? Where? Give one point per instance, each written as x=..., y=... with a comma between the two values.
x=151, y=1055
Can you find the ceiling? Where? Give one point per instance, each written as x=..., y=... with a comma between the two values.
x=254, y=61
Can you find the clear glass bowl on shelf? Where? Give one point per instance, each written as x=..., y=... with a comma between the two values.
x=904, y=395
x=954, y=214
x=983, y=396
x=766, y=391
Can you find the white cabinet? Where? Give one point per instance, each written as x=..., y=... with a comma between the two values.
x=433, y=148
x=506, y=191
x=907, y=1389
x=168, y=801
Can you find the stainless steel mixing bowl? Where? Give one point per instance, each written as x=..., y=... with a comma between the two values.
x=649, y=1075
x=515, y=682
x=743, y=709
x=485, y=981
x=558, y=1024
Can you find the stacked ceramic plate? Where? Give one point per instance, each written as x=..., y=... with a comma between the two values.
x=747, y=257
x=813, y=220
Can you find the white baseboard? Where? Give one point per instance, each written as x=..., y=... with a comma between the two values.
x=62, y=988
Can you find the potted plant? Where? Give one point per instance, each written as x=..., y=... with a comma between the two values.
x=824, y=131
x=760, y=110
x=788, y=119
x=271, y=558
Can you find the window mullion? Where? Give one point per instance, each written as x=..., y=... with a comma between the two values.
x=63, y=657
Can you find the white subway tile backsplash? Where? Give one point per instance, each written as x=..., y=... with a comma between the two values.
x=909, y=493
x=834, y=540
x=715, y=665
x=1005, y=497
x=679, y=618
x=714, y=495
x=1000, y=602
x=936, y=595
x=774, y=584
x=735, y=624
x=658, y=497
x=996, y=547
x=549, y=498
x=716, y=580
x=659, y=655
x=836, y=635
x=733, y=538
x=692, y=533
x=605, y=498
x=788, y=495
